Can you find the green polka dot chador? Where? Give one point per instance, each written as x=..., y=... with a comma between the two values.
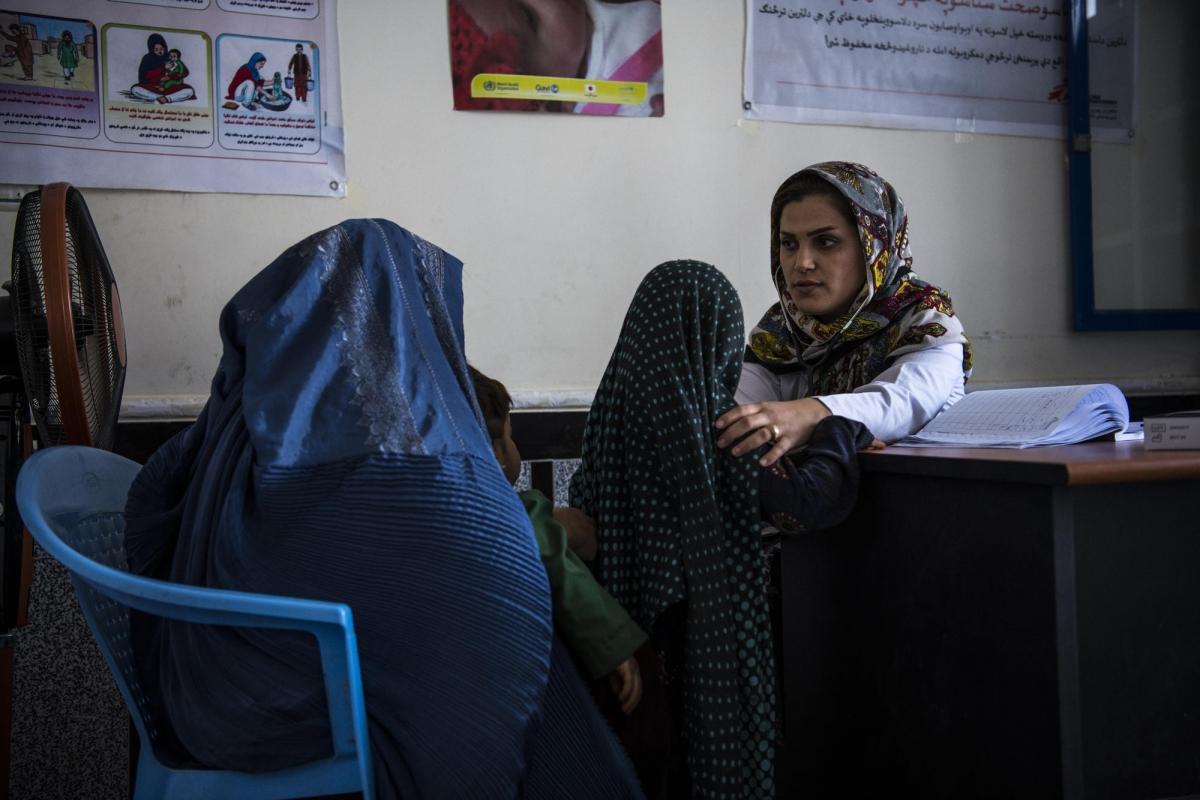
x=678, y=517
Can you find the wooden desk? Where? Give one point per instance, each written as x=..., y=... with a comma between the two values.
x=999, y=623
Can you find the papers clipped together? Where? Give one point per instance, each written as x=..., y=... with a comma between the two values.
x=1033, y=417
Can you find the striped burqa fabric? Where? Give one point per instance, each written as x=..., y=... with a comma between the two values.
x=342, y=457
x=678, y=518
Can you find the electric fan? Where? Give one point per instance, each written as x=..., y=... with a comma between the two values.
x=62, y=367
x=62, y=354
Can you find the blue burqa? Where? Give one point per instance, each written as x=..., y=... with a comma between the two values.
x=341, y=457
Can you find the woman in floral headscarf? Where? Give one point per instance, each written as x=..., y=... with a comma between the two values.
x=855, y=333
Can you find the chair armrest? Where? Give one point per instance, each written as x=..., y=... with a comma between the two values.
x=332, y=624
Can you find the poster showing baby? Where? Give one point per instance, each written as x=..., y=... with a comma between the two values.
x=596, y=57
x=270, y=94
x=156, y=86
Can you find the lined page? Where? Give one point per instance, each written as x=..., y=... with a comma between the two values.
x=1003, y=417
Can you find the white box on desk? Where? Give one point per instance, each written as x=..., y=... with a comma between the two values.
x=1173, y=431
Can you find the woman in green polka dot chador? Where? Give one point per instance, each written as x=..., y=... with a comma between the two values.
x=678, y=519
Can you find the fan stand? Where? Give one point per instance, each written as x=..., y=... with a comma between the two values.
x=8, y=636
x=6, y=711
x=64, y=298
x=62, y=346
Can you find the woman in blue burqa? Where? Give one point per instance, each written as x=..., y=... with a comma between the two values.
x=341, y=456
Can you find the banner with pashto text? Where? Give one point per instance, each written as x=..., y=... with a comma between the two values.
x=182, y=95
x=970, y=66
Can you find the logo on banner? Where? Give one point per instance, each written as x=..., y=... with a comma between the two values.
x=536, y=87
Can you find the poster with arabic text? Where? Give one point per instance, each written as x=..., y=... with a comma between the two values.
x=971, y=66
x=181, y=95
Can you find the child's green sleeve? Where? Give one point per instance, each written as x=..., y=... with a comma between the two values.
x=598, y=631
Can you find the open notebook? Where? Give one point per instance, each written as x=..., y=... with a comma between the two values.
x=1032, y=417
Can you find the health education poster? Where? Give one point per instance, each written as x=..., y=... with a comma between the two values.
x=972, y=66
x=579, y=57
x=184, y=95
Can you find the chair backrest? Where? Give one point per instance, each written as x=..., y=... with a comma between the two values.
x=72, y=499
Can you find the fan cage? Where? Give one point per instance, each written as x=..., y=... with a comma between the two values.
x=29, y=316
x=92, y=290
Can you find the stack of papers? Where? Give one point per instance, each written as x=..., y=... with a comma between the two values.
x=1033, y=417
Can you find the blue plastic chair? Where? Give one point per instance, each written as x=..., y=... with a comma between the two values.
x=72, y=500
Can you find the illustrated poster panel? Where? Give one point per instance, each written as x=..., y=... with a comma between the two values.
x=182, y=95
x=961, y=65
x=580, y=57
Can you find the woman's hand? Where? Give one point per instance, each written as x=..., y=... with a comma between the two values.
x=626, y=683
x=785, y=424
x=581, y=531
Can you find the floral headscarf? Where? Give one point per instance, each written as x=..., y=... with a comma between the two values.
x=894, y=313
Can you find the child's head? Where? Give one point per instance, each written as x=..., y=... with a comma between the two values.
x=278, y=77
x=495, y=403
x=173, y=55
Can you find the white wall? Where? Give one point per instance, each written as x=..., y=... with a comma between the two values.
x=557, y=218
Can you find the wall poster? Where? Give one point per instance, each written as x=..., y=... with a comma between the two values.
x=574, y=56
x=182, y=95
x=986, y=66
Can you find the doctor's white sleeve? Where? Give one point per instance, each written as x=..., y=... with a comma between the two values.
x=899, y=401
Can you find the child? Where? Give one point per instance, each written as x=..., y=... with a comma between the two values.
x=300, y=67
x=598, y=632
x=68, y=55
x=171, y=79
x=277, y=87
x=174, y=71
